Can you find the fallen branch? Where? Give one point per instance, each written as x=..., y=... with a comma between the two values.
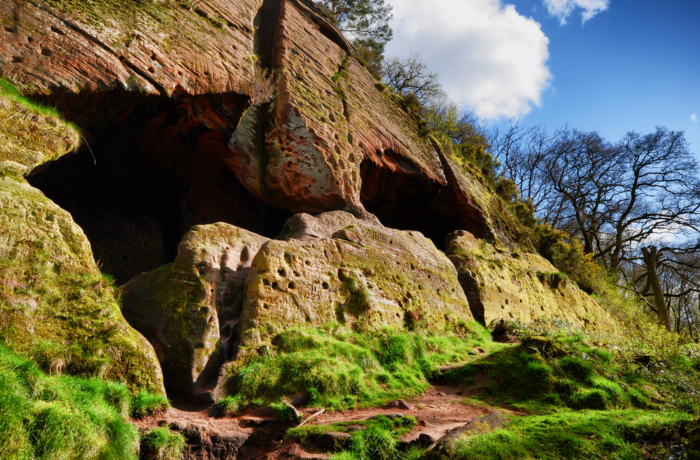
x=312, y=416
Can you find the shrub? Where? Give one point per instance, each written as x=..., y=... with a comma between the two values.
x=261, y=87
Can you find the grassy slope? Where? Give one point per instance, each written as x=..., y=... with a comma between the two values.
x=65, y=417
x=594, y=396
x=583, y=395
x=341, y=368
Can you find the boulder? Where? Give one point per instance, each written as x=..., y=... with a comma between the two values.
x=333, y=441
x=447, y=445
x=525, y=286
x=189, y=310
x=365, y=276
x=399, y=404
x=55, y=305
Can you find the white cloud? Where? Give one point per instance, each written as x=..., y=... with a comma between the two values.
x=694, y=118
x=563, y=8
x=488, y=56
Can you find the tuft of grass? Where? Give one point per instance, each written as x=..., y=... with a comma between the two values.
x=378, y=439
x=56, y=417
x=162, y=444
x=340, y=368
x=145, y=402
x=227, y=406
x=285, y=413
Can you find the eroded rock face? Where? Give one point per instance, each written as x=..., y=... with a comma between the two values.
x=150, y=47
x=189, y=310
x=157, y=89
x=327, y=117
x=504, y=284
x=55, y=306
x=173, y=141
x=365, y=276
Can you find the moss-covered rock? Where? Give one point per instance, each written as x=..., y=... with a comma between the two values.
x=366, y=276
x=189, y=310
x=55, y=305
x=525, y=286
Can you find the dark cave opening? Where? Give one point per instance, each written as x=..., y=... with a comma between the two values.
x=402, y=197
x=149, y=169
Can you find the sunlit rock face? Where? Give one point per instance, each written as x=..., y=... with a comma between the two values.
x=504, y=284
x=338, y=269
x=189, y=310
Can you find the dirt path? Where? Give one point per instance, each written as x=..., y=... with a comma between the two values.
x=439, y=410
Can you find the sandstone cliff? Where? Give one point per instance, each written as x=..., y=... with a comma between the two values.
x=184, y=182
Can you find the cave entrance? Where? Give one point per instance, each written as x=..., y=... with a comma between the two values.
x=402, y=197
x=149, y=169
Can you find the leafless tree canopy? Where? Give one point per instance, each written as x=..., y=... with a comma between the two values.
x=612, y=196
x=619, y=199
x=411, y=76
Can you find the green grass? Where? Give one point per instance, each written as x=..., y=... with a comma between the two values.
x=145, y=402
x=376, y=441
x=162, y=444
x=340, y=368
x=573, y=372
x=617, y=434
x=63, y=417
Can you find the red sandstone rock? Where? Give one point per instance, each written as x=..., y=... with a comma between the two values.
x=141, y=46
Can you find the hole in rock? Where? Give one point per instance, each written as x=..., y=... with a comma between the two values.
x=400, y=194
x=156, y=172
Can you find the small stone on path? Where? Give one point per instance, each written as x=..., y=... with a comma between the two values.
x=399, y=404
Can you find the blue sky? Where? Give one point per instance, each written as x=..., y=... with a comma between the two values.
x=633, y=65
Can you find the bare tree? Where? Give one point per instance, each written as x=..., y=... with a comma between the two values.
x=411, y=76
x=612, y=196
x=521, y=153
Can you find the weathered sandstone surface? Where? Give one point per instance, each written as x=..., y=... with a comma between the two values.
x=55, y=306
x=364, y=275
x=159, y=91
x=504, y=284
x=182, y=181
x=189, y=310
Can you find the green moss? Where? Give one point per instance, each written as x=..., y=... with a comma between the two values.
x=55, y=305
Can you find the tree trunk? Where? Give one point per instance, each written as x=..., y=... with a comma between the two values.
x=650, y=262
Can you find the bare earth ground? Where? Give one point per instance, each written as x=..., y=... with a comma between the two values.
x=439, y=410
